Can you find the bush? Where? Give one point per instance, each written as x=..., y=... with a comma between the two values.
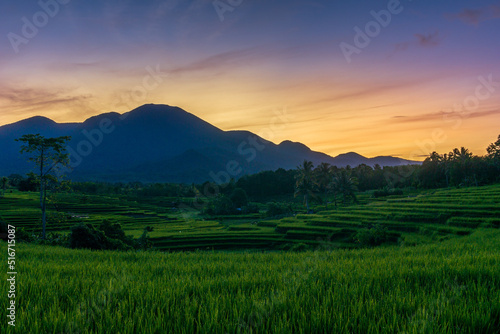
x=112, y=230
x=221, y=205
x=250, y=208
x=275, y=209
x=86, y=236
x=373, y=236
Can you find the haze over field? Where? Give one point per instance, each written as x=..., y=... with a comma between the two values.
x=378, y=78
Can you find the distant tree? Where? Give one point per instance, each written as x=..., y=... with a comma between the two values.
x=3, y=182
x=14, y=180
x=494, y=151
x=461, y=163
x=305, y=184
x=493, y=158
x=432, y=174
x=48, y=154
x=344, y=184
x=239, y=198
x=323, y=173
x=29, y=183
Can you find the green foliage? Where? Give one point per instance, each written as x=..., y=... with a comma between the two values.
x=239, y=197
x=264, y=185
x=86, y=236
x=277, y=209
x=387, y=192
x=28, y=184
x=108, y=236
x=373, y=236
x=220, y=205
x=250, y=208
x=112, y=230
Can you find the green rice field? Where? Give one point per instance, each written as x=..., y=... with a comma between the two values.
x=449, y=287
x=438, y=272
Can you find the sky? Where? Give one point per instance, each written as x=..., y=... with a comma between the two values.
x=401, y=78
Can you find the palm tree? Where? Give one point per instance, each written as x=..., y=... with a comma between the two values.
x=304, y=184
x=345, y=184
x=4, y=181
x=494, y=151
x=462, y=160
x=323, y=178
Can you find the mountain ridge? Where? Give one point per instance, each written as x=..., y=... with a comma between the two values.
x=161, y=143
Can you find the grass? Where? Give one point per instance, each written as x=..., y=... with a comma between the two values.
x=448, y=287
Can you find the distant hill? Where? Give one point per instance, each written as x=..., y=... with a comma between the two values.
x=160, y=143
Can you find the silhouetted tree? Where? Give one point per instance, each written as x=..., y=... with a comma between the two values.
x=48, y=154
x=345, y=184
x=461, y=161
x=323, y=174
x=494, y=150
x=432, y=173
x=305, y=184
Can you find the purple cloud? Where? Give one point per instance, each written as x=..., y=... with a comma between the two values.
x=477, y=15
x=428, y=40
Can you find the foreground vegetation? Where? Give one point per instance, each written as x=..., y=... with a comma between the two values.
x=450, y=287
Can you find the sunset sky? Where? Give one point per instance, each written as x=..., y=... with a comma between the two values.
x=425, y=76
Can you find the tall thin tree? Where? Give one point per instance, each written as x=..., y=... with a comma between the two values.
x=48, y=154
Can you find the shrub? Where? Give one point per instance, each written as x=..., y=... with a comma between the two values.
x=221, y=205
x=373, y=236
x=112, y=230
x=250, y=208
x=86, y=236
x=275, y=209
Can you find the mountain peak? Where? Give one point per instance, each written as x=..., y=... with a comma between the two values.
x=352, y=155
x=95, y=119
x=288, y=144
x=36, y=121
x=151, y=108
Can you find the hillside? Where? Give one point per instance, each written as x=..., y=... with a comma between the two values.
x=159, y=143
x=426, y=216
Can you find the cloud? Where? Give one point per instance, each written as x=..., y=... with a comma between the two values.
x=422, y=40
x=429, y=40
x=224, y=60
x=477, y=15
x=443, y=116
x=24, y=102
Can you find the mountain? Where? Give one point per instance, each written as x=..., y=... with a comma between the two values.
x=160, y=143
